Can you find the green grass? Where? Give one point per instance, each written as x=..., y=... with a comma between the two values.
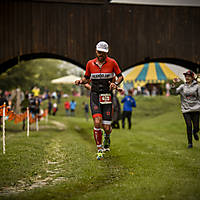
x=151, y=161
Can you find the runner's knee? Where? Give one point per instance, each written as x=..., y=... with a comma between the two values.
x=107, y=129
x=97, y=122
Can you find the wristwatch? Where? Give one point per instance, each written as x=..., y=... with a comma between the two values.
x=116, y=83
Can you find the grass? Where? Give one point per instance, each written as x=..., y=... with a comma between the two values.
x=149, y=162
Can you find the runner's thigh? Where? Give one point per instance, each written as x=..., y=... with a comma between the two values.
x=94, y=103
x=106, y=112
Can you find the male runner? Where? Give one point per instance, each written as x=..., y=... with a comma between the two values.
x=100, y=71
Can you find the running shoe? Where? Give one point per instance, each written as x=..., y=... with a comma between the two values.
x=106, y=149
x=196, y=137
x=190, y=146
x=100, y=154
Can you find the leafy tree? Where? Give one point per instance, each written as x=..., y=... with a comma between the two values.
x=18, y=76
x=27, y=74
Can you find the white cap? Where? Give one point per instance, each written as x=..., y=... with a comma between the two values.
x=102, y=46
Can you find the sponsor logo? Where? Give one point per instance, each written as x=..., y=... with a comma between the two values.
x=102, y=75
x=108, y=113
x=96, y=107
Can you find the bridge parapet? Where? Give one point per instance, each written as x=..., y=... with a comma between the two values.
x=71, y=29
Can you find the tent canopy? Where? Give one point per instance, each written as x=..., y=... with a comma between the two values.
x=154, y=72
x=65, y=79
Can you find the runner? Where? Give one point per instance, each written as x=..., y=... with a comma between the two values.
x=100, y=71
x=190, y=104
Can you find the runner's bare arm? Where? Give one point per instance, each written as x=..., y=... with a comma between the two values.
x=82, y=81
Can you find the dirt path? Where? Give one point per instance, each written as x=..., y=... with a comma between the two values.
x=59, y=125
x=53, y=167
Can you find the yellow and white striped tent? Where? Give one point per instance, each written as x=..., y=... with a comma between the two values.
x=153, y=72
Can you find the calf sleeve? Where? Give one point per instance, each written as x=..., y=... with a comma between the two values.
x=107, y=138
x=98, y=137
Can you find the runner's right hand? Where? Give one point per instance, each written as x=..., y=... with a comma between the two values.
x=77, y=82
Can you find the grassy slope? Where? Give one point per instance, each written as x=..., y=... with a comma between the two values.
x=149, y=162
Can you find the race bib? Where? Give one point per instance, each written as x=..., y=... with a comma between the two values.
x=105, y=98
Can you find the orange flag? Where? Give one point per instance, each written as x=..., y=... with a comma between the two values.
x=1, y=112
x=17, y=118
x=11, y=116
x=31, y=119
x=6, y=111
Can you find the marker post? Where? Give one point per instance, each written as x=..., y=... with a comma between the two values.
x=28, y=122
x=4, y=128
x=46, y=112
x=37, y=124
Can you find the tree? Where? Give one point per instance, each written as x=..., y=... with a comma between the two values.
x=27, y=74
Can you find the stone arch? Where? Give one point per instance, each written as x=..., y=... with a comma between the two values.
x=12, y=62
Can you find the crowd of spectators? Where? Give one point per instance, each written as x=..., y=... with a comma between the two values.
x=19, y=100
x=149, y=89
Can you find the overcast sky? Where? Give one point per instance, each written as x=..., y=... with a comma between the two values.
x=161, y=2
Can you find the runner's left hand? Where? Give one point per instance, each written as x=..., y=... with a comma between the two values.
x=112, y=86
x=121, y=90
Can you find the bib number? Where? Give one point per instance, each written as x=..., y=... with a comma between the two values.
x=105, y=99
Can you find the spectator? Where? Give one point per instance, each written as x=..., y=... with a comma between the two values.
x=135, y=92
x=86, y=109
x=46, y=93
x=36, y=91
x=139, y=90
x=146, y=92
x=129, y=102
x=67, y=107
x=32, y=105
x=37, y=106
x=58, y=92
x=24, y=105
x=54, y=95
x=72, y=107
x=49, y=105
x=55, y=108
x=190, y=106
x=2, y=101
x=116, y=111
x=167, y=86
x=154, y=91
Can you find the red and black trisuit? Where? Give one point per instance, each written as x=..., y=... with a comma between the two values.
x=101, y=95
